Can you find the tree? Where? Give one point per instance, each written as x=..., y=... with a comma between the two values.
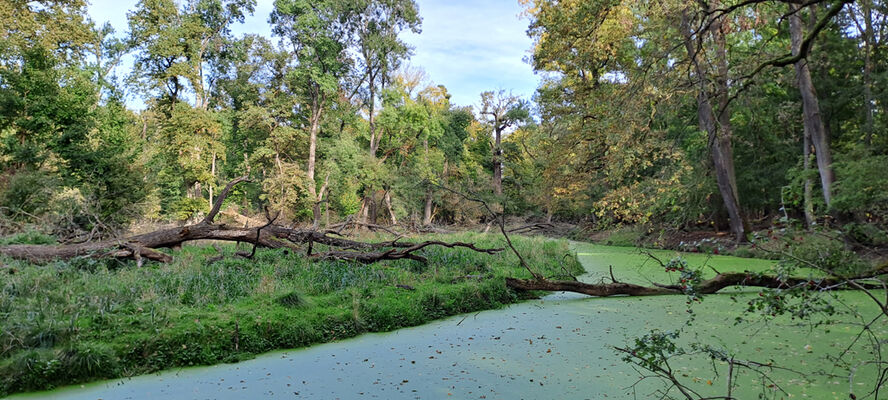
x=176, y=45
x=712, y=105
x=376, y=26
x=318, y=33
x=501, y=111
x=815, y=132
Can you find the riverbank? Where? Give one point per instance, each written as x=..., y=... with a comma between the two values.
x=72, y=322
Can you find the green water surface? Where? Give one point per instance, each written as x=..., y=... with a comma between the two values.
x=558, y=347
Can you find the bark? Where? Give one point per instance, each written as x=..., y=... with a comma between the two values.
x=388, y=205
x=316, y=207
x=396, y=254
x=717, y=126
x=314, y=125
x=372, y=209
x=213, y=174
x=868, y=39
x=808, y=202
x=813, y=121
x=374, y=141
x=497, y=161
x=427, y=210
x=531, y=227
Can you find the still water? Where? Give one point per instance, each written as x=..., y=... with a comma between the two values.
x=560, y=346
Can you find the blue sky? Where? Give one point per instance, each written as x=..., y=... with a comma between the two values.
x=468, y=46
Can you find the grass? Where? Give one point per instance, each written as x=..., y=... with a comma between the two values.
x=82, y=320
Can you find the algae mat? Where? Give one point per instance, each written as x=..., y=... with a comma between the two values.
x=558, y=347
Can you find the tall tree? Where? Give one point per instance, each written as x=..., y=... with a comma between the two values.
x=712, y=104
x=815, y=132
x=501, y=111
x=318, y=32
x=377, y=25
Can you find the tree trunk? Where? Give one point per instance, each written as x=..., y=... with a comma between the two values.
x=268, y=235
x=374, y=141
x=213, y=174
x=312, y=150
x=427, y=210
x=709, y=286
x=362, y=212
x=717, y=126
x=388, y=205
x=807, y=200
x=868, y=39
x=811, y=109
x=497, y=162
x=372, y=209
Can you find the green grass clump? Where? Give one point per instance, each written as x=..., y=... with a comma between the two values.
x=81, y=320
x=28, y=237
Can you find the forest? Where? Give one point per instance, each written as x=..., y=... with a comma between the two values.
x=756, y=128
x=643, y=115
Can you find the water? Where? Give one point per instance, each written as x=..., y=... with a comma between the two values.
x=558, y=347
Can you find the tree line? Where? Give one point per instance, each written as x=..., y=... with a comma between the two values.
x=326, y=117
x=724, y=114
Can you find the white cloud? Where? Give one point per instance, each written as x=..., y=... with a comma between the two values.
x=473, y=46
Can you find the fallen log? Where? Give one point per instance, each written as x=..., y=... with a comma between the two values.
x=709, y=286
x=531, y=227
x=601, y=289
x=270, y=235
x=394, y=254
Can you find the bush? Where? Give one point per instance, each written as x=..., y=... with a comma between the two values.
x=862, y=186
x=26, y=194
x=826, y=253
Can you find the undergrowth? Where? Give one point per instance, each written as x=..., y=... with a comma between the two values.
x=69, y=322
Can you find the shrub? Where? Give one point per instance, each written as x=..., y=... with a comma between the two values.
x=862, y=186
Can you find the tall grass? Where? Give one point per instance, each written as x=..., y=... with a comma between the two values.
x=68, y=322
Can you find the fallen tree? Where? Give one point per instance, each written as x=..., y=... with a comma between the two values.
x=709, y=286
x=269, y=235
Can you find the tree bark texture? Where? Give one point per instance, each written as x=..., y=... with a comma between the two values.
x=813, y=121
x=716, y=123
x=497, y=161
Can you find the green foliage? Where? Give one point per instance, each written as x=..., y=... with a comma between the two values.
x=28, y=237
x=653, y=350
x=862, y=187
x=27, y=193
x=825, y=252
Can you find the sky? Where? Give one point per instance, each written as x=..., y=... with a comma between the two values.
x=469, y=46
